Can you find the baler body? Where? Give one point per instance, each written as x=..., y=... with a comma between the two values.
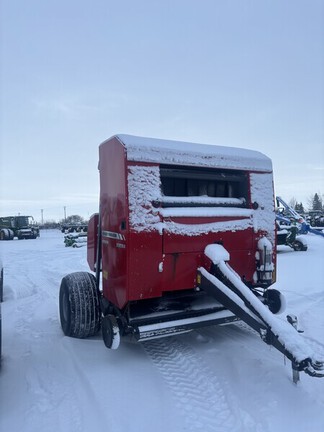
x=184, y=238
x=162, y=202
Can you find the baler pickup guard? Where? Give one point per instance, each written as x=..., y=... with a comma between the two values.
x=175, y=314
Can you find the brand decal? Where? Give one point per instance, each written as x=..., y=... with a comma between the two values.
x=113, y=235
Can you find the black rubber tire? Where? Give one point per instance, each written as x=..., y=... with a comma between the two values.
x=275, y=301
x=110, y=331
x=299, y=246
x=79, y=305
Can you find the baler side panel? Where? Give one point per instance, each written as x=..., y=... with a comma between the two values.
x=114, y=217
x=145, y=265
x=145, y=240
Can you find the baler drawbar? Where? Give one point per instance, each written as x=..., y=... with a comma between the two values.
x=224, y=284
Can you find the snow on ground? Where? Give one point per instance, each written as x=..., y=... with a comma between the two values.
x=219, y=379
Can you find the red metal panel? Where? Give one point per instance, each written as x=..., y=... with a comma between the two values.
x=176, y=243
x=145, y=260
x=114, y=216
x=180, y=270
x=184, y=254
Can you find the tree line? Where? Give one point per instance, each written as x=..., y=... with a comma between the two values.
x=73, y=219
x=315, y=203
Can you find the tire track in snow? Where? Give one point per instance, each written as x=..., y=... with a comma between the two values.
x=304, y=301
x=44, y=385
x=202, y=397
x=239, y=370
x=62, y=395
x=87, y=394
x=31, y=295
x=52, y=403
x=306, y=317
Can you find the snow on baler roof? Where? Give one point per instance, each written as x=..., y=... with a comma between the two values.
x=142, y=149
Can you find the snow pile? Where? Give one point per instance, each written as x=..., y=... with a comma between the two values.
x=263, y=243
x=263, y=194
x=212, y=227
x=220, y=212
x=217, y=253
x=142, y=149
x=144, y=188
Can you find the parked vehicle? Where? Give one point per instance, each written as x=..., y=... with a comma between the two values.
x=22, y=227
x=287, y=236
x=184, y=238
x=285, y=215
x=316, y=218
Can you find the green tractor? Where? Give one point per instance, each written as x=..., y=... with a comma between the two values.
x=22, y=227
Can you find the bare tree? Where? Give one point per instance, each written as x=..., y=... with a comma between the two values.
x=73, y=219
x=293, y=202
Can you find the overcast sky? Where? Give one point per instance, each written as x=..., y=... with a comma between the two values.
x=235, y=73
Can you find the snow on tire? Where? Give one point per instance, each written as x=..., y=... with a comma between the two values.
x=79, y=305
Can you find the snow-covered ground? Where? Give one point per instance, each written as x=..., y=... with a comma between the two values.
x=219, y=379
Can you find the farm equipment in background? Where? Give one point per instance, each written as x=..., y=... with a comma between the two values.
x=287, y=234
x=75, y=240
x=287, y=218
x=315, y=218
x=74, y=228
x=22, y=227
x=184, y=238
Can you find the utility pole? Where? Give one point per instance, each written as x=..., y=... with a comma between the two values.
x=64, y=213
x=42, y=218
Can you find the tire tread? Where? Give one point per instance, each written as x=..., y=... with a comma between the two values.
x=84, y=310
